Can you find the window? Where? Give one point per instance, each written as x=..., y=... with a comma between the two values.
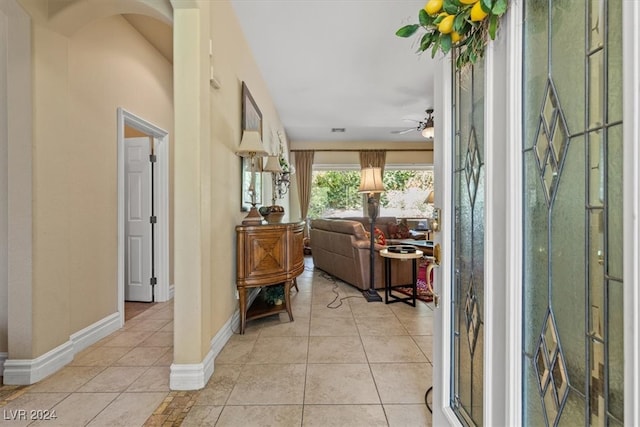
x=334, y=193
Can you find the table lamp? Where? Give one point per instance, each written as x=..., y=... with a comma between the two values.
x=251, y=147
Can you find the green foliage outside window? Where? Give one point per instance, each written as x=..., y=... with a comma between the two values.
x=335, y=193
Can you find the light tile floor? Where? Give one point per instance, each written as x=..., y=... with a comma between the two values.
x=356, y=364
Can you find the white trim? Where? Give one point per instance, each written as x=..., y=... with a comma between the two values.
x=443, y=172
x=224, y=334
x=191, y=376
x=95, y=332
x=195, y=376
x=29, y=371
x=161, y=142
x=513, y=228
x=3, y=358
x=631, y=102
x=494, y=221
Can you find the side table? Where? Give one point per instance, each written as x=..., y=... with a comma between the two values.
x=389, y=297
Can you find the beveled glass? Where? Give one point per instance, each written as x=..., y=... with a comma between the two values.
x=468, y=301
x=572, y=289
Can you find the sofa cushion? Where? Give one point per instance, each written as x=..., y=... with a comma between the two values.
x=378, y=236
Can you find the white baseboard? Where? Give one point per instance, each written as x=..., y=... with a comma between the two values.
x=192, y=376
x=30, y=371
x=94, y=333
x=195, y=376
x=3, y=357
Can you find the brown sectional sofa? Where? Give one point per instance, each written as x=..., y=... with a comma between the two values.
x=340, y=247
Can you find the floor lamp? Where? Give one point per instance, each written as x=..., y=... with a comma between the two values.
x=371, y=183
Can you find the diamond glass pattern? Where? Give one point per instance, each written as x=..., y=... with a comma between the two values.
x=551, y=141
x=472, y=166
x=551, y=370
x=472, y=317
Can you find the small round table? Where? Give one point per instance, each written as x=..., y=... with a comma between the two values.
x=388, y=289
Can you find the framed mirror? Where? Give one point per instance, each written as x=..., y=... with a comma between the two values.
x=251, y=120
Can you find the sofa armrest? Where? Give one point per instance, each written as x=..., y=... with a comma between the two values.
x=366, y=244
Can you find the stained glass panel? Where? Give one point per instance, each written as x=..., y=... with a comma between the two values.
x=467, y=359
x=573, y=368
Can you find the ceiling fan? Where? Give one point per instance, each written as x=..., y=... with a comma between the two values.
x=424, y=126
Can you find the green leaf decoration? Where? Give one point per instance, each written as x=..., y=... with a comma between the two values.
x=499, y=7
x=436, y=46
x=424, y=18
x=426, y=41
x=458, y=23
x=407, y=30
x=473, y=35
x=445, y=43
x=486, y=5
x=493, y=25
x=450, y=7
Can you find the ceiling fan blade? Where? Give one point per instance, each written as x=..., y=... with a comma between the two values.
x=402, y=132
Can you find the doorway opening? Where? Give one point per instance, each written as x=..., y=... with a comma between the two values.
x=143, y=257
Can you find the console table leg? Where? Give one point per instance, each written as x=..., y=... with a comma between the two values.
x=242, y=295
x=287, y=298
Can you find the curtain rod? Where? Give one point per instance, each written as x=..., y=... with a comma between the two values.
x=357, y=151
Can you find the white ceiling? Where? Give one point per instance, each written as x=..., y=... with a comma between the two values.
x=338, y=64
x=332, y=64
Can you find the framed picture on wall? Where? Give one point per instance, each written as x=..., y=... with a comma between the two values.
x=251, y=120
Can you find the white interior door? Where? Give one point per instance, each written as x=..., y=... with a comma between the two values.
x=138, y=224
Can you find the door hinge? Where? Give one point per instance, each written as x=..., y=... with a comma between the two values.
x=153, y=219
x=154, y=281
x=152, y=158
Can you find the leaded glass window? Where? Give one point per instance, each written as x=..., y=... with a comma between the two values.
x=572, y=204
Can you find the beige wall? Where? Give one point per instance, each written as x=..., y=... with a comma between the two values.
x=207, y=170
x=4, y=206
x=79, y=83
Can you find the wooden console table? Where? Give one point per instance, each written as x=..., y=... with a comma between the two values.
x=266, y=255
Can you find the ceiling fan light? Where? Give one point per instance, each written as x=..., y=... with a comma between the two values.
x=428, y=132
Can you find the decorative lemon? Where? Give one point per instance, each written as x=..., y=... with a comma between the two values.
x=446, y=25
x=469, y=1
x=433, y=6
x=455, y=37
x=477, y=14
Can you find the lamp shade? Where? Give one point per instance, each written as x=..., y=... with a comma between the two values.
x=371, y=180
x=430, y=197
x=272, y=165
x=251, y=145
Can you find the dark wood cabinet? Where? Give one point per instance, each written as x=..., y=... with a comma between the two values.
x=267, y=255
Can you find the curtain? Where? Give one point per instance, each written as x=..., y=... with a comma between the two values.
x=376, y=159
x=304, y=166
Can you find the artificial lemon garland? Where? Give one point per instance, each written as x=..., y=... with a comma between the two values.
x=457, y=23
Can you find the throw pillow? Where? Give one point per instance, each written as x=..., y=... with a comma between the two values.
x=393, y=231
x=403, y=230
x=378, y=236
